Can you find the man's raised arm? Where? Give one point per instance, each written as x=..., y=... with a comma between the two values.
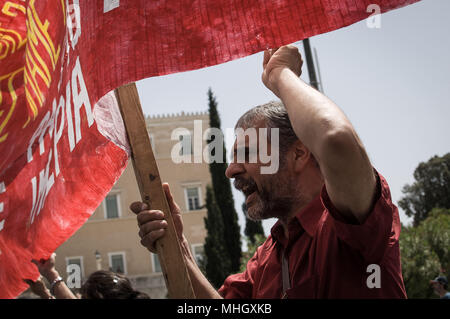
x=324, y=129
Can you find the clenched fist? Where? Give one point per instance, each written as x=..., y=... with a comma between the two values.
x=276, y=60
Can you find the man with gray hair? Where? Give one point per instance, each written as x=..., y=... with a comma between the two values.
x=337, y=230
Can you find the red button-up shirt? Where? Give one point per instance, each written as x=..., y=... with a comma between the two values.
x=328, y=255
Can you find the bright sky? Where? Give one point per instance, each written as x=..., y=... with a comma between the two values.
x=393, y=83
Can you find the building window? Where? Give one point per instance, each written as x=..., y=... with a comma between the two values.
x=78, y=260
x=117, y=262
x=193, y=198
x=186, y=145
x=112, y=206
x=198, y=252
x=155, y=263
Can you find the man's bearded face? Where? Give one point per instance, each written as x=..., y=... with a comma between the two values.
x=271, y=197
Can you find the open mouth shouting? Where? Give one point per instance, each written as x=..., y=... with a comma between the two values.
x=248, y=187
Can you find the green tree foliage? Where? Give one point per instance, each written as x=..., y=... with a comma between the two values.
x=224, y=196
x=425, y=253
x=431, y=188
x=216, y=264
x=436, y=229
x=252, y=227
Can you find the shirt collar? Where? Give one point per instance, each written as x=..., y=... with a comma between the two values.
x=308, y=217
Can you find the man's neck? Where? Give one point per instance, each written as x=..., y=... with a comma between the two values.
x=296, y=208
x=306, y=195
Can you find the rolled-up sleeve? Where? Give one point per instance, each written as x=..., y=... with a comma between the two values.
x=380, y=230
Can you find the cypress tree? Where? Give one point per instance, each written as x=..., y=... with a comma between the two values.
x=224, y=197
x=252, y=227
x=217, y=262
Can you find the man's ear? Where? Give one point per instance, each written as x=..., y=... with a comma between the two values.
x=301, y=156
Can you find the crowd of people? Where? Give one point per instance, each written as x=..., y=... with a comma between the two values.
x=102, y=284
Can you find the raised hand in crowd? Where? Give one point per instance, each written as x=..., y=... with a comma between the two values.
x=57, y=285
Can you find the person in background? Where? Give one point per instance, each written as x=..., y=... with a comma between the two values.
x=104, y=284
x=440, y=286
x=100, y=284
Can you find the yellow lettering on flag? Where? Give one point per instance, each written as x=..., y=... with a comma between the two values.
x=40, y=57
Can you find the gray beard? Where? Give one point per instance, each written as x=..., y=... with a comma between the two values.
x=267, y=205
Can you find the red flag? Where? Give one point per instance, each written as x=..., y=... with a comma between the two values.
x=60, y=151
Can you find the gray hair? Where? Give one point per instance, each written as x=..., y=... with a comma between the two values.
x=275, y=115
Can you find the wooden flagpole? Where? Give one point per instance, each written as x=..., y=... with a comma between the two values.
x=172, y=262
